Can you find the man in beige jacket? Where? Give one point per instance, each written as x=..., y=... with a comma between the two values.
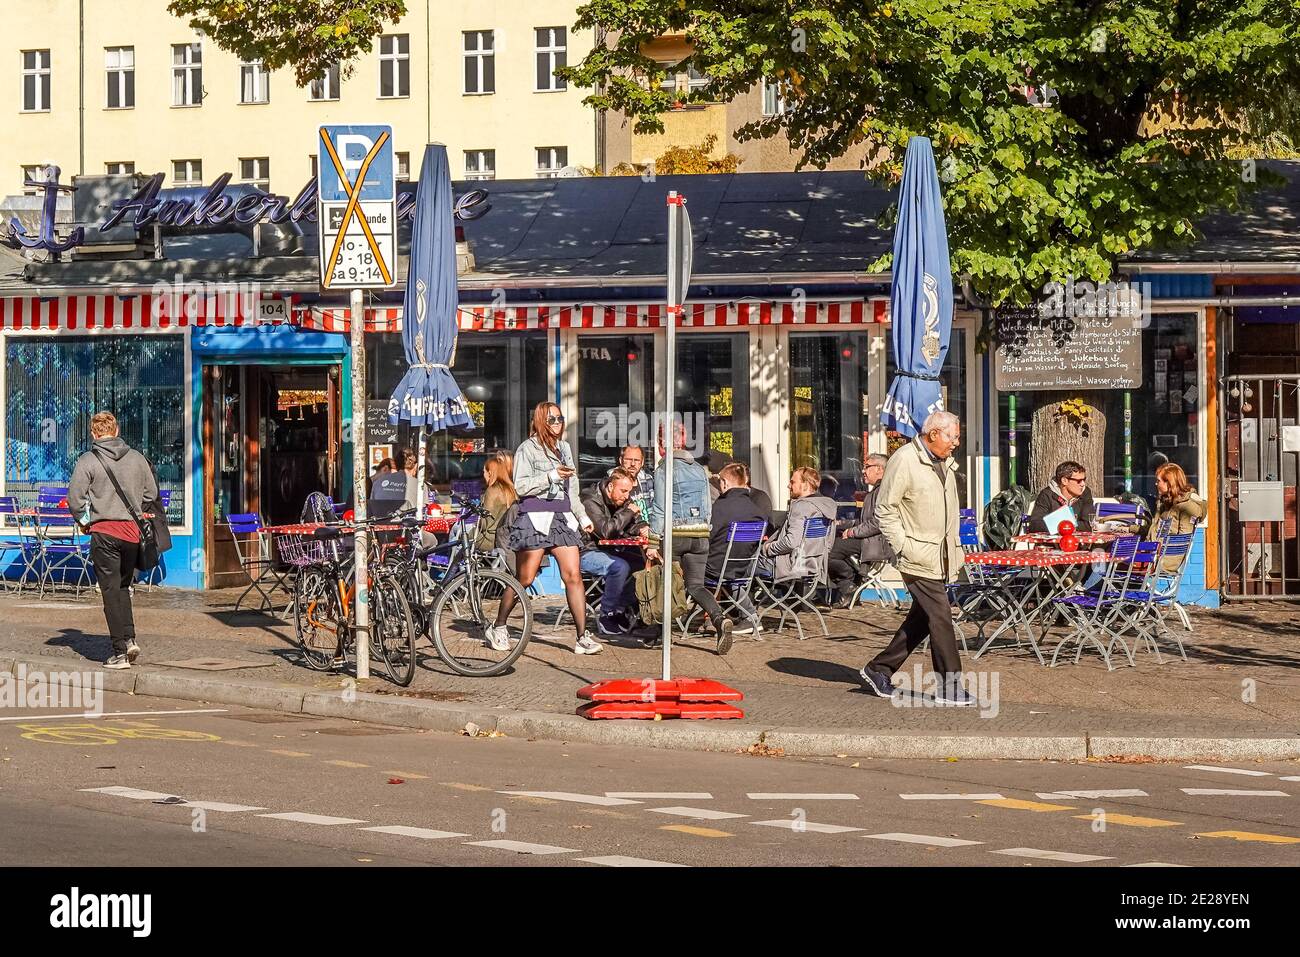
x=919, y=514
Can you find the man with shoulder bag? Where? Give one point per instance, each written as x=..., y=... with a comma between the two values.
x=111, y=492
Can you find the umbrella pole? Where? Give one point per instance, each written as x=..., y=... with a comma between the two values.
x=422, y=464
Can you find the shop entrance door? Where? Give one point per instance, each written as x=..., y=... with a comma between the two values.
x=1262, y=442
x=271, y=437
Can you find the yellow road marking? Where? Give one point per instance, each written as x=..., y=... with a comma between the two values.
x=408, y=774
x=1017, y=805
x=1251, y=836
x=290, y=754
x=241, y=744
x=464, y=787
x=697, y=831
x=1129, y=820
x=347, y=764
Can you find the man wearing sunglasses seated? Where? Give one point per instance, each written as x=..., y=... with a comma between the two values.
x=1069, y=486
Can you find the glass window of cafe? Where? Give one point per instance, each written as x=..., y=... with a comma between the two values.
x=53, y=385
x=503, y=376
x=616, y=390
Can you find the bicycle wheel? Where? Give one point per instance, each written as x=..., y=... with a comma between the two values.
x=316, y=618
x=393, y=629
x=466, y=606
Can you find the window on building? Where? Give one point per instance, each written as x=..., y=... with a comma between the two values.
x=551, y=55
x=119, y=65
x=696, y=79
x=34, y=174
x=669, y=81
x=395, y=65
x=480, y=164
x=36, y=81
x=254, y=82
x=326, y=86
x=52, y=386
x=187, y=172
x=119, y=169
x=187, y=74
x=480, y=62
x=257, y=171
x=550, y=160
x=829, y=407
x=952, y=390
x=403, y=167
x=774, y=96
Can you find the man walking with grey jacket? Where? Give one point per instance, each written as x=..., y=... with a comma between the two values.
x=114, y=535
x=919, y=514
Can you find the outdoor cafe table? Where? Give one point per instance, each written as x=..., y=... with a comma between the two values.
x=1051, y=566
x=1083, y=538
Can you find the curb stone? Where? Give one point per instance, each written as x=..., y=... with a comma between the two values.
x=169, y=684
x=1218, y=749
x=397, y=712
x=891, y=744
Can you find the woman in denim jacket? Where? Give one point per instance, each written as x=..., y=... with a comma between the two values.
x=550, y=518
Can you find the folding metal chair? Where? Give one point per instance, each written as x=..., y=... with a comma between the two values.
x=1160, y=593
x=253, y=546
x=737, y=576
x=1092, y=613
x=154, y=576
x=1167, y=587
x=789, y=595
x=61, y=547
x=10, y=522
x=873, y=579
x=1129, y=512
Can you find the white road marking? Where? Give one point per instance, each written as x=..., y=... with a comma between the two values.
x=699, y=813
x=618, y=860
x=1234, y=793
x=662, y=795
x=519, y=847
x=1293, y=778
x=1155, y=864
x=114, y=714
x=791, y=824
x=1207, y=767
x=1064, y=856
x=923, y=839
x=423, y=833
x=322, y=819
x=135, y=794
x=1063, y=795
x=571, y=796
x=951, y=797
x=779, y=796
x=219, y=806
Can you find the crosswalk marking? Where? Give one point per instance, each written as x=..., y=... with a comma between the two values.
x=618, y=860
x=322, y=819
x=1208, y=767
x=1155, y=864
x=1291, y=778
x=814, y=796
x=951, y=797
x=697, y=831
x=423, y=833
x=239, y=744
x=222, y=807
x=347, y=764
x=662, y=795
x=459, y=786
x=521, y=847
x=699, y=813
x=285, y=752
x=1230, y=792
x=135, y=794
x=1063, y=856
x=1251, y=836
x=1067, y=795
x=571, y=796
x=1129, y=820
x=929, y=839
x=792, y=824
x=1016, y=804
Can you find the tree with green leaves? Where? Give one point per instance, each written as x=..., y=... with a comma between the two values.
x=1069, y=133
x=307, y=35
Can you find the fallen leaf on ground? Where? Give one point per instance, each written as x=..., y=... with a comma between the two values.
x=396, y=781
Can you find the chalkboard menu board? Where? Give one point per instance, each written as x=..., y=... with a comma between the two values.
x=1036, y=353
x=378, y=431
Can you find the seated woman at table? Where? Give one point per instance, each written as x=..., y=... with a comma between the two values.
x=1177, y=502
x=614, y=515
x=498, y=495
x=1069, y=486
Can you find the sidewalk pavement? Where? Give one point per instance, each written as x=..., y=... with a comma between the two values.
x=1236, y=698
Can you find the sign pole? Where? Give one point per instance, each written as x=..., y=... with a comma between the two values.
x=1011, y=448
x=357, y=326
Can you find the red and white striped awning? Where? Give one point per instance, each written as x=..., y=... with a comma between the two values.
x=640, y=315
x=135, y=313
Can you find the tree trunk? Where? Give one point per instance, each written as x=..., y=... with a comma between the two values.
x=1057, y=438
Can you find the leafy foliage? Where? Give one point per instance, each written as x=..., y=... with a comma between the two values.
x=1069, y=133
x=307, y=35
x=679, y=160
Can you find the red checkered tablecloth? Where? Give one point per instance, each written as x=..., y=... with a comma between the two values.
x=306, y=528
x=1083, y=538
x=1029, y=559
x=439, y=526
x=638, y=542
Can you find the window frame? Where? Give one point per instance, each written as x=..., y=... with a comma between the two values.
x=125, y=77
x=190, y=72
x=262, y=182
x=42, y=72
x=191, y=165
x=555, y=153
x=482, y=55
x=35, y=173
x=398, y=160
x=479, y=174
x=778, y=88
x=258, y=71
x=394, y=59
x=332, y=73
x=553, y=53
x=129, y=171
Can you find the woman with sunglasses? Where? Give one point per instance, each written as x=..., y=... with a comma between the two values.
x=550, y=518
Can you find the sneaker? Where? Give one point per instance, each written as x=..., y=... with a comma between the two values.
x=750, y=628
x=118, y=663
x=588, y=645
x=498, y=637
x=952, y=693
x=132, y=652
x=877, y=682
x=724, y=636
x=612, y=625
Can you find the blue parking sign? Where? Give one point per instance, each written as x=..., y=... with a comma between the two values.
x=357, y=207
x=351, y=146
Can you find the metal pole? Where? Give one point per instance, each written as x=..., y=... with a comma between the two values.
x=1011, y=448
x=1128, y=441
x=361, y=600
x=670, y=436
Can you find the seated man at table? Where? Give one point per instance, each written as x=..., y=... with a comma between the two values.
x=786, y=554
x=736, y=503
x=1069, y=486
x=861, y=541
x=614, y=515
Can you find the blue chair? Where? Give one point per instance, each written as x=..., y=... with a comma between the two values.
x=10, y=519
x=790, y=594
x=154, y=576
x=61, y=547
x=253, y=547
x=1128, y=512
x=736, y=580
x=1160, y=593
x=1093, y=614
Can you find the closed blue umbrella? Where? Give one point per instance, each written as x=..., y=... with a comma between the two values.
x=920, y=294
x=428, y=394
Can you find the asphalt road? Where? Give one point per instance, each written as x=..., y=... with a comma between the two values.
x=253, y=788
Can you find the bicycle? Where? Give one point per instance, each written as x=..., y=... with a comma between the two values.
x=324, y=608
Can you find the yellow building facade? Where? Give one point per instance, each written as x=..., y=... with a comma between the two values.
x=101, y=86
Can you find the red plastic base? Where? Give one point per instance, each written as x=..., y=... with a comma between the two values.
x=646, y=697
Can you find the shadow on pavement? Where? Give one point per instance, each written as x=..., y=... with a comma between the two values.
x=828, y=671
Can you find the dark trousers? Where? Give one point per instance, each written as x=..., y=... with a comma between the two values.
x=114, y=562
x=843, y=572
x=929, y=615
x=693, y=553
